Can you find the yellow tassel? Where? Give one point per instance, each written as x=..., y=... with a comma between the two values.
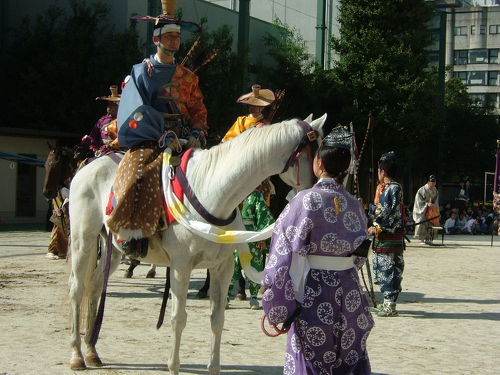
x=336, y=203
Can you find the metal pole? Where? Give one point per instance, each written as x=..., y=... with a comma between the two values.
x=484, y=190
x=320, y=32
x=441, y=84
x=243, y=39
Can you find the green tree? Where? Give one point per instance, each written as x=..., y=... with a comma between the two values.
x=291, y=69
x=59, y=63
x=382, y=68
x=382, y=57
x=218, y=78
x=470, y=132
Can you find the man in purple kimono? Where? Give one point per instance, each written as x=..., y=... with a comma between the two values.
x=311, y=274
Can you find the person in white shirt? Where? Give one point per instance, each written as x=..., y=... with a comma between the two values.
x=450, y=224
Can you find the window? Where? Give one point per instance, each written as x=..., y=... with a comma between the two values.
x=482, y=29
x=493, y=56
x=476, y=78
x=478, y=56
x=460, y=30
x=483, y=100
x=479, y=99
x=492, y=78
x=435, y=36
x=433, y=57
x=473, y=29
x=460, y=57
x=462, y=76
x=494, y=29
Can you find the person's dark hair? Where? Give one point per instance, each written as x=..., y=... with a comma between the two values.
x=336, y=161
x=389, y=166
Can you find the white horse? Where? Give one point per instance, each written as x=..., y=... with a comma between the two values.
x=221, y=178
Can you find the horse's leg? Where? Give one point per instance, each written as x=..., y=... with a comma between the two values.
x=203, y=292
x=129, y=272
x=152, y=272
x=220, y=277
x=83, y=258
x=179, y=280
x=91, y=357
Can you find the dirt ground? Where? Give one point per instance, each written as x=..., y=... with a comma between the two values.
x=449, y=319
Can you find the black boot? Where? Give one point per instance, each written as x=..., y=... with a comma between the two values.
x=135, y=248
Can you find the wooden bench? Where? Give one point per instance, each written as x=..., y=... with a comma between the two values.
x=435, y=231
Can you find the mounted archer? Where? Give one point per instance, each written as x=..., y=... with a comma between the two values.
x=160, y=102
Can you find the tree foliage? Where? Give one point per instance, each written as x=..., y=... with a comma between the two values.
x=59, y=63
x=381, y=51
x=218, y=78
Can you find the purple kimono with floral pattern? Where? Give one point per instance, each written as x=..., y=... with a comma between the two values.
x=329, y=337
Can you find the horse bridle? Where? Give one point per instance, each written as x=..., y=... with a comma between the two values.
x=308, y=143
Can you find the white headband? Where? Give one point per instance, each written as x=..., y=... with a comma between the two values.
x=168, y=28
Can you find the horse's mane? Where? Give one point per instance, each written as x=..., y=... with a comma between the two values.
x=252, y=147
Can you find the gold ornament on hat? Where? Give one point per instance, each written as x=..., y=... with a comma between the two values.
x=168, y=7
x=114, y=97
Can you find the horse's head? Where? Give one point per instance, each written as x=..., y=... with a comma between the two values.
x=59, y=166
x=298, y=172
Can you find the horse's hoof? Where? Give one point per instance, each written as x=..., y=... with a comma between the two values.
x=93, y=360
x=77, y=364
x=128, y=274
x=151, y=274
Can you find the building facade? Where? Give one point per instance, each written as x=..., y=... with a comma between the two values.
x=472, y=47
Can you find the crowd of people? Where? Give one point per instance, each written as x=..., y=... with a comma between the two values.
x=461, y=215
x=472, y=219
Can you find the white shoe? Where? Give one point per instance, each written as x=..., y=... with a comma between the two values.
x=51, y=256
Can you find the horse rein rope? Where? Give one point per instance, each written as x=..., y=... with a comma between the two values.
x=308, y=143
x=279, y=331
x=191, y=196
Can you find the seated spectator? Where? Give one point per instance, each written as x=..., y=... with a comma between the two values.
x=461, y=221
x=472, y=226
x=450, y=224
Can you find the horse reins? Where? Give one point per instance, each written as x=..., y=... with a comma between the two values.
x=307, y=144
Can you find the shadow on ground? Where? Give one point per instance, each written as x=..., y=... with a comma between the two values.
x=202, y=369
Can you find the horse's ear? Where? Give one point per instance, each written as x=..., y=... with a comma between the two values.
x=309, y=118
x=318, y=124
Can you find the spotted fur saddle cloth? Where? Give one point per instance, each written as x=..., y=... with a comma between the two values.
x=137, y=194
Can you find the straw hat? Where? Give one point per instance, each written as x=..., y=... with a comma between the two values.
x=257, y=97
x=114, y=97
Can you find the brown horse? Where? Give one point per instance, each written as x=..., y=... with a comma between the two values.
x=60, y=166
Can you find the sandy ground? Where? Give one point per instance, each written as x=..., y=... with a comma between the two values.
x=449, y=319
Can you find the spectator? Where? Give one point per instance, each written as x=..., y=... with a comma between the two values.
x=472, y=226
x=462, y=192
x=450, y=226
x=461, y=221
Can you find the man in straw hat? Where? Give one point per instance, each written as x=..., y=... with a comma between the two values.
x=257, y=99
x=160, y=100
x=102, y=137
